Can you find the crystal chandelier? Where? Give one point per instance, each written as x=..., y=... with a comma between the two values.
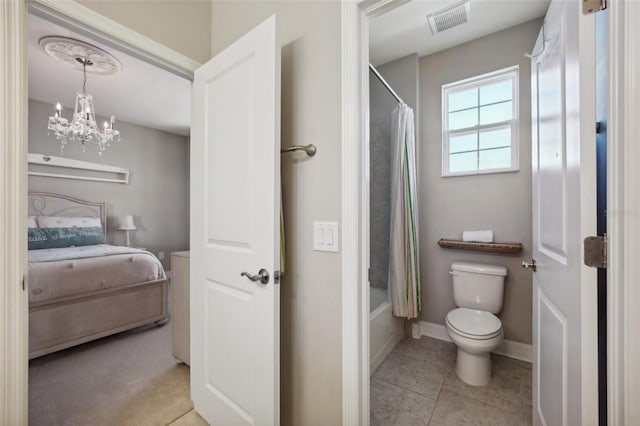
x=82, y=127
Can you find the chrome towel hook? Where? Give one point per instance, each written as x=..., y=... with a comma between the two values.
x=310, y=149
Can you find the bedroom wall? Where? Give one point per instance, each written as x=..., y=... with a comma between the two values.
x=310, y=321
x=189, y=22
x=501, y=202
x=157, y=195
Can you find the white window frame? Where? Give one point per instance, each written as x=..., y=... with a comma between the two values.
x=477, y=81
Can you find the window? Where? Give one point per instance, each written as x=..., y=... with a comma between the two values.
x=480, y=124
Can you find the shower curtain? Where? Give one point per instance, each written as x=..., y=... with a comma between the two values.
x=404, y=271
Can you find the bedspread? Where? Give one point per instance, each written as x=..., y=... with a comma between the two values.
x=76, y=271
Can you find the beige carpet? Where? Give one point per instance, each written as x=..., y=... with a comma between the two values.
x=127, y=379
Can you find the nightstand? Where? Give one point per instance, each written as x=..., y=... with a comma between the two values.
x=180, y=305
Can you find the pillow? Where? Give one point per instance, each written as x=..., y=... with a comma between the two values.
x=68, y=222
x=31, y=222
x=46, y=238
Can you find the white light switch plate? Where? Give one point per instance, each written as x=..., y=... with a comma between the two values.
x=325, y=236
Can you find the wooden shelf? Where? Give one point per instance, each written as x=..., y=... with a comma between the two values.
x=512, y=248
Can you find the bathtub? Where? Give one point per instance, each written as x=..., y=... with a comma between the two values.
x=385, y=330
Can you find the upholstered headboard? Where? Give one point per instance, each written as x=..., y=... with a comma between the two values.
x=50, y=204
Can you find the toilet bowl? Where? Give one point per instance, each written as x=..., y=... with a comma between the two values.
x=476, y=334
x=478, y=292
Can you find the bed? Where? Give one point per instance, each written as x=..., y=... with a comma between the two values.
x=80, y=293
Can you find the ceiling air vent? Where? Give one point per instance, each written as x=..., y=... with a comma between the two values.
x=449, y=17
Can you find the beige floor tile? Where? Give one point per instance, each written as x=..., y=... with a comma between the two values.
x=413, y=374
x=509, y=389
x=429, y=349
x=458, y=410
x=190, y=419
x=395, y=406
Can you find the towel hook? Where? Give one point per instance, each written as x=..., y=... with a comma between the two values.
x=310, y=149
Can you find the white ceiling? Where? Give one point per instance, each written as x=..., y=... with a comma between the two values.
x=141, y=93
x=404, y=30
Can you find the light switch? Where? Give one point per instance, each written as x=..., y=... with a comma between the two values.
x=325, y=236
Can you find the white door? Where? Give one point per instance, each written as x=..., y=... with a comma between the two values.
x=235, y=202
x=564, y=212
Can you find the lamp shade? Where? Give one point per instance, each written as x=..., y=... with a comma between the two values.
x=127, y=223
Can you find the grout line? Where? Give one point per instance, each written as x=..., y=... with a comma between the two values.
x=406, y=389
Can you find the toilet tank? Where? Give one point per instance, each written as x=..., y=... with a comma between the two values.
x=478, y=286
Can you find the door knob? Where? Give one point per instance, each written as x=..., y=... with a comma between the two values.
x=529, y=265
x=263, y=276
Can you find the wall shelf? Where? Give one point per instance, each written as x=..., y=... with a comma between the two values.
x=511, y=248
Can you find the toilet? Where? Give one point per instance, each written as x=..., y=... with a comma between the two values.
x=475, y=329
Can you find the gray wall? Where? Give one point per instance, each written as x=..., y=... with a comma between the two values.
x=182, y=25
x=501, y=202
x=158, y=193
x=402, y=75
x=310, y=320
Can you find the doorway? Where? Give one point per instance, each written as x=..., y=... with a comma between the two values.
x=102, y=341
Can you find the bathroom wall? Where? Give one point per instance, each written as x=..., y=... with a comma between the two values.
x=501, y=202
x=311, y=290
x=402, y=75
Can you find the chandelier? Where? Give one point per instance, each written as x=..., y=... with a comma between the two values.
x=82, y=127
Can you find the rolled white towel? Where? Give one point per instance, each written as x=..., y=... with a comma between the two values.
x=478, y=236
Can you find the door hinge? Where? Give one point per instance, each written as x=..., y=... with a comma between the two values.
x=595, y=251
x=369, y=275
x=24, y=278
x=593, y=6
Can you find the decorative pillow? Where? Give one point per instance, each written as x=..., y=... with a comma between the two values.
x=37, y=238
x=45, y=238
x=68, y=222
x=31, y=222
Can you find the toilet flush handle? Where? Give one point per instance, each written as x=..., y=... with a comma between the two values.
x=455, y=274
x=529, y=265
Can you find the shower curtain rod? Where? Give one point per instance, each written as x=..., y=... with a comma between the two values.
x=384, y=82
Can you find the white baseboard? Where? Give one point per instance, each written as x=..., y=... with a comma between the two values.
x=508, y=348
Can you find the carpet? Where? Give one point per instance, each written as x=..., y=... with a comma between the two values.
x=127, y=379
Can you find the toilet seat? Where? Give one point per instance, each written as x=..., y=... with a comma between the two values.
x=474, y=324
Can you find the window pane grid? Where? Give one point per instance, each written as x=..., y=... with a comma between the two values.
x=480, y=124
x=479, y=106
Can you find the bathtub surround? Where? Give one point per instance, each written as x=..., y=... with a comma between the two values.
x=158, y=191
x=453, y=204
x=402, y=75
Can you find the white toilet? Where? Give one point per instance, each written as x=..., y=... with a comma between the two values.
x=478, y=291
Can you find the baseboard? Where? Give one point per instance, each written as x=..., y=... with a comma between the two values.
x=508, y=348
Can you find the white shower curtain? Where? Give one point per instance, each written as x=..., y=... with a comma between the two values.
x=404, y=271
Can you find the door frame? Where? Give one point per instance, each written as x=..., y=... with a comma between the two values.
x=13, y=167
x=623, y=218
x=623, y=214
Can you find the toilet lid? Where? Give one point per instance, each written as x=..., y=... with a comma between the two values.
x=473, y=322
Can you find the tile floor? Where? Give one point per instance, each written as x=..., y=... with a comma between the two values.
x=416, y=385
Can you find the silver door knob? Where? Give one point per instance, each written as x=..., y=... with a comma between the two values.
x=529, y=265
x=263, y=276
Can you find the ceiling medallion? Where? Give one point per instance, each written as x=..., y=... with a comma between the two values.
x=67, y=50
